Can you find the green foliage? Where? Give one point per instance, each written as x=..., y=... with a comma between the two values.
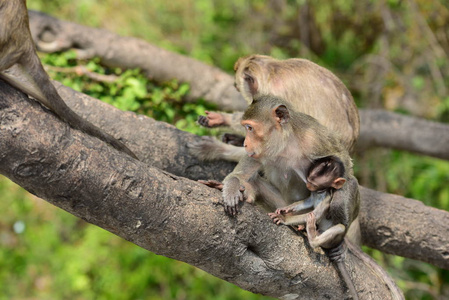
x=387, y=52
x=130, y=90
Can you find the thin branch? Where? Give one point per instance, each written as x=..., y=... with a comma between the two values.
x=83, y=70
x=161, y=65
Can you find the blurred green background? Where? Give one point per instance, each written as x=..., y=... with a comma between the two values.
x=392, y=54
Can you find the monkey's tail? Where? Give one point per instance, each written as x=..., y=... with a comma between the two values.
x=336, y=255
x=396, y=293
x=32, y=73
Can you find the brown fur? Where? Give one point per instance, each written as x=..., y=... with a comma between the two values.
x=21, y=67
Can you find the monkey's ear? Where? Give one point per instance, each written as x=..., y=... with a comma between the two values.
x=252, y=83
x=338, y=183
x=281, y=114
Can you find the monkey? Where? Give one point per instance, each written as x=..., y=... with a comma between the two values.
x=305, y=86
x=20, y=66
x=289, y=141
x=301, y=139
x=326, y=180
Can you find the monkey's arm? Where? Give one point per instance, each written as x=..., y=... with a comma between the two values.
x=245, y=169
x=321, y=208
x=217, y=119
x=209, y=148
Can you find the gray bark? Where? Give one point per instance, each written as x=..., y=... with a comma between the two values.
x=163, y=146
x=159, y=211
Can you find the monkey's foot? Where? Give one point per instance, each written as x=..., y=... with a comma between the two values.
x=233, y=139
x=311, y=226
x=211, y=119
x=276, y=218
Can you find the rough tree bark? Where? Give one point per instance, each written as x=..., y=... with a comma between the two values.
x=159, y=211
x=422, y=233
x=378, y=128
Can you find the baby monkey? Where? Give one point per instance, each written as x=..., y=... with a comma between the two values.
x=334, y=204
x=324, y=177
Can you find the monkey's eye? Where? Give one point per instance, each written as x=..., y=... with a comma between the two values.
x=249, y=127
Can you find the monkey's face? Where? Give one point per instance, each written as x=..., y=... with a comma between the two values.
x=254, y=138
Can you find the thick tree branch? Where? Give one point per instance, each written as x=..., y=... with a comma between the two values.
x=159, y=211
x=163, y=146
x=405, y=227
x=378, y=128
x=391, y=130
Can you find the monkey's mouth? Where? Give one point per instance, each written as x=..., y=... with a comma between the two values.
x=252, y=154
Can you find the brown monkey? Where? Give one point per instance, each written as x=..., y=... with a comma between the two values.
x=283, y=144
x=21, y=67
x=325, y=177
x=284, y=141
x=341, y=208
x=335, y=206
x=305, y=86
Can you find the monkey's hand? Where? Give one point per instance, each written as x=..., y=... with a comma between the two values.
x=284, y=210
x=212, y=119
x=277, y=219
x=232, y=195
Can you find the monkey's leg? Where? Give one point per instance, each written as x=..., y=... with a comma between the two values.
x=328, y=239
x=214, y=119
x=30, y=77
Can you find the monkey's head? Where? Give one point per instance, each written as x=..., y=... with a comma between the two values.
x=265, y=122
x=326, y=173
x=249, y=74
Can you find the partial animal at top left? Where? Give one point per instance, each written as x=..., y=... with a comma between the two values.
x=20, y=66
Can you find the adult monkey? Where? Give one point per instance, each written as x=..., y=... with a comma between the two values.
x=21, y=67
x=283, y=142
x=304, y=85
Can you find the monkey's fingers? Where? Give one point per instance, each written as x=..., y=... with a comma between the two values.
x=231, y=203
x=283, y=211
x=203, y=121
x=212, y=119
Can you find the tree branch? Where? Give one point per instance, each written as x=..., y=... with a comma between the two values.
x=405, y=227
x=163, y=146
x=381, y=128
x=378, y=128
x=210, y=83
x=159, y=211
